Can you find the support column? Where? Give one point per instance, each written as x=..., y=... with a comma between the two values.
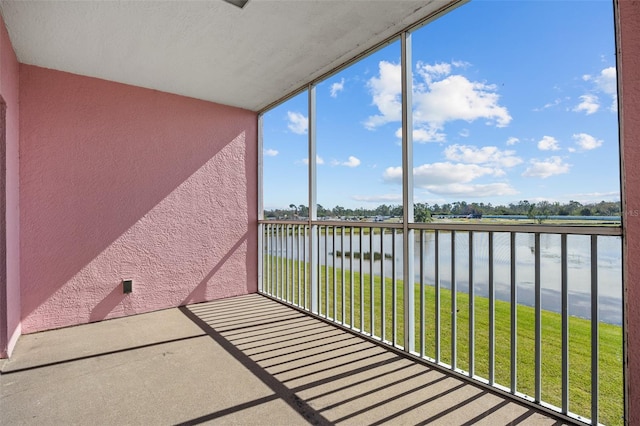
x=627, y=16
x=407, y=194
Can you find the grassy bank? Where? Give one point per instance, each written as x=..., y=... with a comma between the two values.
x=610, y=351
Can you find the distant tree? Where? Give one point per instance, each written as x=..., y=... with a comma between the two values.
x=459, y=207
x=421, y=213
x=295, y=209
x=396, y=211
x=539, y=212
x=383, y=210
x=605, y=208
x=322, y=212
x=574, y=207
x=531, y=210
x=476, y=209
x=524, y=207
x=544, y=209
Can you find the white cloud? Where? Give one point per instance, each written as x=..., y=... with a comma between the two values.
x=586, y=142
x=439, y=97
x=546, y=168
x=393, y=175
x=298, y=123
x=428, y=175
x=488, y=155
x=319, y=160
x=351, y=162
x=464, y=133
x=604, y=83
x=512, y=141
x=457, y=98
x=548, y=143
x=460, y=64
x=548, y=105
x=589, y=105
x=270, y=152
x=607, y=83
x=383, y=198
x=336, y=88
x=453, y=179
x=430, y=72
x=591, y=197
x=386, y=90
x=473, y=190
x=425, y=135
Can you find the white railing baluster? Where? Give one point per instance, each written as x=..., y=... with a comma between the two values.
x=305, y=230
x=361, y=285
x=437, y=295
x=594, y=330
x=383, y=300
x=334, y=274
x=371, y=286
x=395, y=290
x=565, y=323
x=538, y=320
x=326, y=272
x=492, y=315
x=514, y=316
x=300, y=263
x=342, y=277
x=351, y=275
x=422, y=307
x=472, y=347
x=454, y=304
x=287, y=276
x=279, y=261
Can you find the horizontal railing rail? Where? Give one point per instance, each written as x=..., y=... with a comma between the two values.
x=612, y=230
x=533, y=310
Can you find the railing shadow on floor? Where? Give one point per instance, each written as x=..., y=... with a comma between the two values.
x=331, y=376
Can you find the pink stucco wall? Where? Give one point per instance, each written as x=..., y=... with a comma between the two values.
x=119, y=182
x=10, y=270
x=629, y=63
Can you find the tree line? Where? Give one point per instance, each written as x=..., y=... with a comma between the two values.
x=423, y=212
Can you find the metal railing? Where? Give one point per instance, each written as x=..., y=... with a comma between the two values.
x=509, y=306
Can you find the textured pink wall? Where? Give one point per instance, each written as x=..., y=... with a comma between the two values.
x=123, y=182
x=629, y=62
x=10, y=307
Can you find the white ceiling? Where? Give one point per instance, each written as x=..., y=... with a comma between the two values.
x=209, y=49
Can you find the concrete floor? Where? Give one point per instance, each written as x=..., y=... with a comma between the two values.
x=246, y=360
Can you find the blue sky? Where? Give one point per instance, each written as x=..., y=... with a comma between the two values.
x=512, y=100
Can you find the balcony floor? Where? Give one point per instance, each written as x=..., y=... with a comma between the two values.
x=244, y=360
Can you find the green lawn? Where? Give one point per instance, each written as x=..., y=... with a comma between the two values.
x=610, y=350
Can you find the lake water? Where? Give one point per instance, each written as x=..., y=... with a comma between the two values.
x=578, y=266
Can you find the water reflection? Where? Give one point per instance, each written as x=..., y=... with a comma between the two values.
x=387, y=252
